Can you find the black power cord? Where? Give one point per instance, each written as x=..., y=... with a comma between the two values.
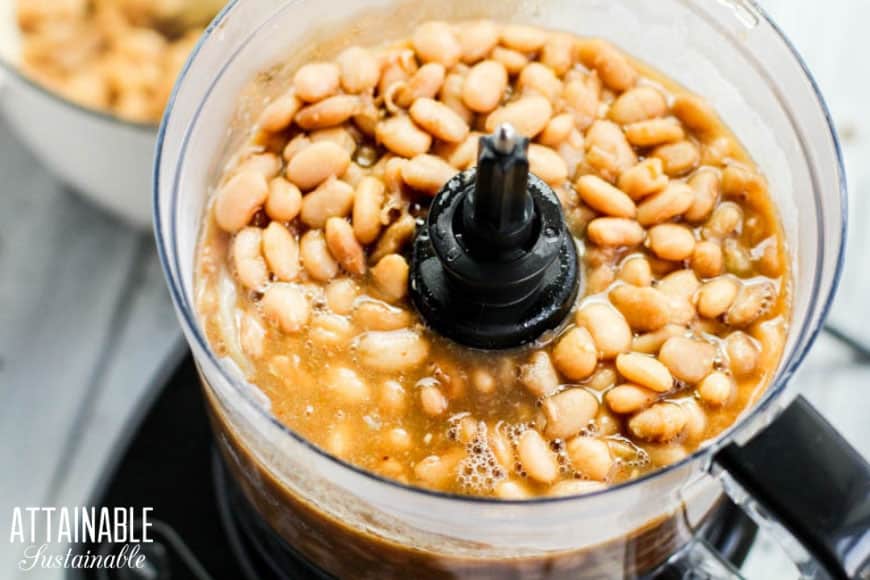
x=860, y=350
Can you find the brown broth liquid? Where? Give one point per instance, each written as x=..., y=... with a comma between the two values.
x=383, y=426
x=318, y=537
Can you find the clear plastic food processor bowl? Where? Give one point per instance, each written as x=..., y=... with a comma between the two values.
x=728, y=51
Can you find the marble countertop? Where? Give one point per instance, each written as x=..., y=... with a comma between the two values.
x=87, y=329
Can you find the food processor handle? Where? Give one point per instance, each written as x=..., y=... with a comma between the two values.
x=801, y=474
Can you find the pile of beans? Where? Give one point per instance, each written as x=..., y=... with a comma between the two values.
x=104, y=54
x=685, y=300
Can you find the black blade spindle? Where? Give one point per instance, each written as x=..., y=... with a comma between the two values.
x=494, y=265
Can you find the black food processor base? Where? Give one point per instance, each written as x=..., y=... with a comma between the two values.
x=203, y=526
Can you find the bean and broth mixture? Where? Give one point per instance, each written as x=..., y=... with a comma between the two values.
x=303, y=265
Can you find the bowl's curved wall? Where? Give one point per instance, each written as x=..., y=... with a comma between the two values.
x=105, y=160
x=738, y=59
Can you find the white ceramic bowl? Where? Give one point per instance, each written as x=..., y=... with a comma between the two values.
x=104, y=158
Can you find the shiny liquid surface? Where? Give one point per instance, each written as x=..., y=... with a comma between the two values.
x=677, y=329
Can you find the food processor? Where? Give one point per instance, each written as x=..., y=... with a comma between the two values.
x=780, y=460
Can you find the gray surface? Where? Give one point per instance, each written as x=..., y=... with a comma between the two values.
x=86, y=326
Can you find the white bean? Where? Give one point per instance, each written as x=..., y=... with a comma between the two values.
x=239, y=199
x=523, y=38
x=581, y=99
x=328, y=112
x=645, y=178
x=334, y=198
x=477, y=39
x=547, y=164
x=717, y=390
x=439, y=120
x=568, y=412
x=645, y=371
x=638, y=104
x=512, y=60
x=662, y=422
x=671, y=241
x=615, y=232
x=316, y=163
x=539, y=462
x=393, y=351
x=427, y=173
x=367, y=203
x=605, y=198
x=539, y=79
x=654, y=132
x=678, y=158
x=344, y=246
x=248, y=259
x=707, y=259
x=688, y=360
x=716, y=296
x=432, y=400
x=280, y=112
x=608, y=151
x=608, y=328
x=671, y=202
x=281, y=251
x=360, y=70
x=347, y=386
x=287, y=306
x=538, y=375
x=575, y=355
x=558, y=53
x=743, y=353
x=376, y=315
x=423, y=84
x=591, y=457
x=645, y=309
x=628, y=398
x=435, y=41
x=557, y=130
x=316, y=259
x=528, y=115
x=341, y=294
x=316, y=81
x=390, y=275
x=330, y=330
x=401, y=136
x=484, y=86
x=612, y=66
x=284, y=202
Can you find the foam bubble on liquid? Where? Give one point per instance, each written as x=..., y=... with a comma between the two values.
x=639, y=457
x=454, y=423
x=480, y=470
x=513, y=432
x=558, y=447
